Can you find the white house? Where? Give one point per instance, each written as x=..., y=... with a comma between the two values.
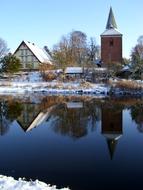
x=31, y=55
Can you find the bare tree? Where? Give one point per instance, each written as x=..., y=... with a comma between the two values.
x=140, y=46
x=71, y=50
x=140, y=40
x=78, y=45
x=3, y=48
x=94, y=51
x=137, y=59
x=62, y=53
x=74, y=50
x=137, y=51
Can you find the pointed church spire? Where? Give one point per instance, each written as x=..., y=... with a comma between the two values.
x=111, y=23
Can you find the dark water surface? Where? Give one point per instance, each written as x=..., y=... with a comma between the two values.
x=77, y=142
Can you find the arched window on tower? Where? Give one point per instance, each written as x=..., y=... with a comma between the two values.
x=111, y=42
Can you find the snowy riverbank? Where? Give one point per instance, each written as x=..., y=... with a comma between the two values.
x=32, y=82
x=9, y=183
x=53, y=88
x=130, y=88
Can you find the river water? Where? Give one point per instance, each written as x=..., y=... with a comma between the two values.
x=83, y=143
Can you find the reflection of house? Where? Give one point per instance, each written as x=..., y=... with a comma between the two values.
x=41, y=117
x=32, y=116
x=111, y=127
x=29, y=113
x=31, y=56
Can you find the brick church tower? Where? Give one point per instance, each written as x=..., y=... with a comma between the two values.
x=111, y=42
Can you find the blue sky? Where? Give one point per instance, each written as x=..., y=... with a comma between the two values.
x=45, y=21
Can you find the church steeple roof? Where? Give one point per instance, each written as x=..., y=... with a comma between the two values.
x=111, y=146
x=111, y=26
x=112, y=139
x=111, y=23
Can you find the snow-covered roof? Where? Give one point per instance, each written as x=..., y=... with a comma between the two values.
x=126, y=68
x=111, y=26
x=74, y=70
x=41, y=54
x=111, y=32
x=41, y=117
x=38, y=120
x=115, y=136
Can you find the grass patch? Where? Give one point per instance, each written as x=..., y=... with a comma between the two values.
x=127, y=85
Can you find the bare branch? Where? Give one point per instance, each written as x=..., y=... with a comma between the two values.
x=3, y=48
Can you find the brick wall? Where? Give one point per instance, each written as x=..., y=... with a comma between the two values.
x=111, y=49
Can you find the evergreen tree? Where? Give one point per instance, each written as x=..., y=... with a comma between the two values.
x=10, y=64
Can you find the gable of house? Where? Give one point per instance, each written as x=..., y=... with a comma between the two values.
x=31, y=55
x=29, y=113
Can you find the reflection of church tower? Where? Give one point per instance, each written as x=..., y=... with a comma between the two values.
x=111, y=127
x=111, y=42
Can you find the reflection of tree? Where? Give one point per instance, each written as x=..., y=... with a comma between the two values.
x=4, y=124
x=8, y=112
x=70, y=122
x=93, y=112
x=137, y=115
x=14, y=110
x=74, y=121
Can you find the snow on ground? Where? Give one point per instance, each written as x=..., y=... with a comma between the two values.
x=28, y=77
x=31, y=82
x=9, y=183
x=54, y=87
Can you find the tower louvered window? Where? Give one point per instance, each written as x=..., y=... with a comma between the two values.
x=111, y=43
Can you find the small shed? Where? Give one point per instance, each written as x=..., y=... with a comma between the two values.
x=75, y=72
x=125, y=72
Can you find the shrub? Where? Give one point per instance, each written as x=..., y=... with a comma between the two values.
x=128, y=85
x=49, y=76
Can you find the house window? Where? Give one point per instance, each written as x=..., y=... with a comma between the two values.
x=111, y=42
x=21, y=52
x=22, y=59
x=25, y=59
x=26, y=52
x=32, y=58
